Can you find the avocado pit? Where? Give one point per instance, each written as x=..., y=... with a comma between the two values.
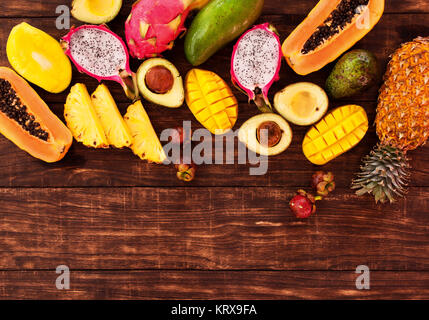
x=159, y=80
x=274, y=132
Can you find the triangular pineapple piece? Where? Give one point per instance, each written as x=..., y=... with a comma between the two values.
x=82, y=119
x=146, y=144
x=114, y=126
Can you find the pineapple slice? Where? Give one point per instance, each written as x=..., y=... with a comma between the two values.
x=82, y=119
x=114, y=126
x=338, y=132
x=146, y=144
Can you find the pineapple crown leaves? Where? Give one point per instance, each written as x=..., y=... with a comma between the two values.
x=384, y=174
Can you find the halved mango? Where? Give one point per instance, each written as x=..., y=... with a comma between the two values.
x=39, y=58
x=338, y=132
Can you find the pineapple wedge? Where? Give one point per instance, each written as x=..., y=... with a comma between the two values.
x=146, y=144
x=338, y=132
x=82, y=118
x=114, y=126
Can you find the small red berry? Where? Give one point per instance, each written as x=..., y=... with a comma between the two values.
x=303, y=204
x=323, y=182
x=186, y=172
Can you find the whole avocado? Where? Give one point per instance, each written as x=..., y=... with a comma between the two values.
x=217, y=24
x=355, y=72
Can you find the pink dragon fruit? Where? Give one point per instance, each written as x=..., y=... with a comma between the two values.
x=100, y=53
x=152, y=26
x=256, y=62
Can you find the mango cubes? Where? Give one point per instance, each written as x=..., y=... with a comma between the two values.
x=211, y=101
x=338, y=132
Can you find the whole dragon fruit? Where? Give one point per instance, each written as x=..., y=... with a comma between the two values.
x=256, y=62
x=152, y=26
x=103, y=55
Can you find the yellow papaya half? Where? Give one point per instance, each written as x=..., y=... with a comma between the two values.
x=331, y=28
x=39, y=58
x=27, y=121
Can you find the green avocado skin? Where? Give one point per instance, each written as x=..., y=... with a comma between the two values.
x=355, y=72
x=217, y=24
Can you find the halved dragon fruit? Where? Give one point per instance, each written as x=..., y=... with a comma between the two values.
x=102, y=54
x=256, y=62
x=152, y=26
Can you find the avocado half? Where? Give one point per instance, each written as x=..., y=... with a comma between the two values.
x=302, y=103
x=96, y=11
x=279, y=139
x=171, y=96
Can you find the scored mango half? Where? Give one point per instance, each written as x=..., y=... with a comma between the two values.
x=338, y=132
x=211, y=101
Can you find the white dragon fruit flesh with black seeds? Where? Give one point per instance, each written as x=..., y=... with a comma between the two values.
x=100, y=53
x=90, y=54
x=256, y=63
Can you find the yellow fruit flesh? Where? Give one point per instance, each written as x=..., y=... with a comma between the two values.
x=146, y=144
x=96, y=11
x=211, y=101
x=39, y=58
x=82, y=118
x=303, y=104
x=101, y=7
x=114, y=126
x=337, y=133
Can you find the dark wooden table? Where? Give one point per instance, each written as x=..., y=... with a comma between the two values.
x=128, y=229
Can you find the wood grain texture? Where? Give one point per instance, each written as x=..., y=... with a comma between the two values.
x=208, y=228
x=207, y=285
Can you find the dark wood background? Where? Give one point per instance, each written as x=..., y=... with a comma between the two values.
x=128, y=229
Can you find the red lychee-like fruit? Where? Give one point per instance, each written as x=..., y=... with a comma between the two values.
x=303, y=204
x=323, y=182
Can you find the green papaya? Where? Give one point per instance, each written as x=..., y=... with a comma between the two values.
x=355, y=72
x=217, y=24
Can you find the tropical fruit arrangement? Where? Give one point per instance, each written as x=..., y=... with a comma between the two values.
x=152, y=27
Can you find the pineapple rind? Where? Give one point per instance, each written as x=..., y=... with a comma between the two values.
x=82, y=120
x=337, y=133
x=211, y=101
x=146, y=143
x=117, y=132
x=403, y=107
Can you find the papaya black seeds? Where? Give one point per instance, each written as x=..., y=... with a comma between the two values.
x=11, y=106
x=337, y=21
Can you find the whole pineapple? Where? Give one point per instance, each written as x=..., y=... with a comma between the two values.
x=402, y=123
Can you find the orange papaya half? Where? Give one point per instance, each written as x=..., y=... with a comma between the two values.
x=331, y=28
x=27, y=121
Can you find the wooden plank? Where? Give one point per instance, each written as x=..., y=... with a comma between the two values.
x=89, y=167
x=209, y=229
x=31, y=8
x=383, y=40
x=206, y=285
